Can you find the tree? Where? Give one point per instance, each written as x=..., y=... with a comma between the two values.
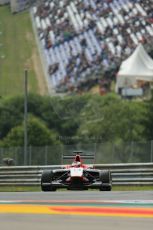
x=109, y=118
x=89, y=117
x=149, y=119
x=11, y=114
x=38, y=134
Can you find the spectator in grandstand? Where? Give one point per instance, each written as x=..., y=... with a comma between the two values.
x=96, y=33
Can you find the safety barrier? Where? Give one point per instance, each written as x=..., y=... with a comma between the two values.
x=122, y=174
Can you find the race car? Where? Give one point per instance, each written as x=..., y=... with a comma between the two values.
x=76, y=176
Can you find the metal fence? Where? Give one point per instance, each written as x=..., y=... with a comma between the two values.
x=132, y=152
x=131, y=174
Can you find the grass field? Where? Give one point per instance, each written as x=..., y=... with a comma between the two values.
x=18, y=50
x=38, y=188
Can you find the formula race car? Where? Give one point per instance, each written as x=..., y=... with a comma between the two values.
x=76, y=176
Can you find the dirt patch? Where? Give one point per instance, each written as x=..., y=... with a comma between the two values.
x=95, y=90
x=29, y=36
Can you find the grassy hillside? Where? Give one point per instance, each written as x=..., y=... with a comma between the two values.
x=18, y=49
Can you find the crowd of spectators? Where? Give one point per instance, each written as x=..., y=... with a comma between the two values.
x=84, y=40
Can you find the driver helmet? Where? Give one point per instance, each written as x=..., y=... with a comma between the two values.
x=76, y=163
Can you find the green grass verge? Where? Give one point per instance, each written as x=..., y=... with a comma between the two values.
x=17, y=44
x=132, y=188
x=38, y=189
x=20, y=189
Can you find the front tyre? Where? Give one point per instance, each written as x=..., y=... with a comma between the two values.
x=106, y=180
x=46, y=181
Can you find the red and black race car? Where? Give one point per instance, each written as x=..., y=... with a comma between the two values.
x=76, y=176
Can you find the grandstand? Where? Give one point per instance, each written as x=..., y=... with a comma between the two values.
x=83, y=42
x=85, y=39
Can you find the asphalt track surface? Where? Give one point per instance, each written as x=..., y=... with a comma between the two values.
x=92, y=210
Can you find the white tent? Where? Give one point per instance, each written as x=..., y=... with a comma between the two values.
x=139, y=66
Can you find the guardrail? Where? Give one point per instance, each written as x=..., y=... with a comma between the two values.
x=122, y=174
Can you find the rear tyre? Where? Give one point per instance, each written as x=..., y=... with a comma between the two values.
x=46, y=181
x=106, y=180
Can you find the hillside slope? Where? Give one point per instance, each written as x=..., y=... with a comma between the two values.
x=17, y=50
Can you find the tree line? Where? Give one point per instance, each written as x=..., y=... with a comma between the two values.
x=75, y=119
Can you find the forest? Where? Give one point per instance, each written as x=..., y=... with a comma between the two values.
x=72, y=119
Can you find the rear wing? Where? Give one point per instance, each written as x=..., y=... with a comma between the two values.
x=89, y=156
